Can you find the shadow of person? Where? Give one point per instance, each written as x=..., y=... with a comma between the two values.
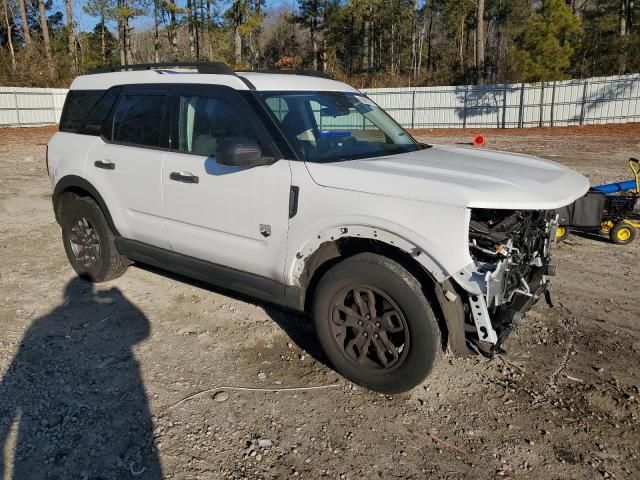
x=72, y=402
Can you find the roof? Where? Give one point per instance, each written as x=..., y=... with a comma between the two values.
x=261, y=81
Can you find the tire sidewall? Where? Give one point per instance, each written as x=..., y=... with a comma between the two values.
x=614, y=234
x=88, y=209
x=406, y=292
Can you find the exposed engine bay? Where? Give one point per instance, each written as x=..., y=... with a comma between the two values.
x=510, y=249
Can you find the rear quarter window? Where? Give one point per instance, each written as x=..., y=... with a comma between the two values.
x=76, y=106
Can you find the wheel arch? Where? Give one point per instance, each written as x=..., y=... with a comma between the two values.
x=348, y=241
x=73, y=185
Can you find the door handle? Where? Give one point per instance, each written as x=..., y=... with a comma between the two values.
x=184, y=177
x=107, y=165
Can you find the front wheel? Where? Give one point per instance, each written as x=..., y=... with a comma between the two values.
x=375, y=323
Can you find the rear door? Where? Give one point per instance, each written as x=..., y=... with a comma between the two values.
x=231, y=216
x=125, y=164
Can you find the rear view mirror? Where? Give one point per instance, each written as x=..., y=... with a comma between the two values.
x=241, y=152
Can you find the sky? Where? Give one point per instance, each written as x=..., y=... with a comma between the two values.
x=87, y=23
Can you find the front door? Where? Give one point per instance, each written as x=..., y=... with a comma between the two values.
x=236, y=217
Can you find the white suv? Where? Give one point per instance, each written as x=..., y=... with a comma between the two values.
x=299, y=190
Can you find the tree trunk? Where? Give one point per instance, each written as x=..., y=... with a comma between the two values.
x=393, y=44
x=196, y=28
x=324, y=54
x=365, y=46
x=103, y=37
x=430, y=38
x=209, y=40
x=461, y=45
x=237, y=41
x=45, y=36
x=480, y=41
x=25, y=25
x=414, y=40
x=128, y=49
x=122, y=35
x=623, y=18
x=192, y=45
x=173, y=31
x=156, y=31
x=9, y=36
x=71, y=37
x=313, y=31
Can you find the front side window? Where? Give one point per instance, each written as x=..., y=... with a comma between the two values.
x=204, y=122
x=334, y=126
x=138, y=120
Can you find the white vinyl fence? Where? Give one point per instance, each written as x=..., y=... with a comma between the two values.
x=572, y=102
x=30, y=106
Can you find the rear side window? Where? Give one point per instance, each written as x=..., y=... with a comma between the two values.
x=138, y=120
x=76, y=106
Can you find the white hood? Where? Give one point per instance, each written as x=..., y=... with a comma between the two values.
x=457, y=176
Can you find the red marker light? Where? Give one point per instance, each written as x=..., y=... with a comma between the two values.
x=478, y=141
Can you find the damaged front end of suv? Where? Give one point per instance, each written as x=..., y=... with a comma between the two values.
x=510, y=270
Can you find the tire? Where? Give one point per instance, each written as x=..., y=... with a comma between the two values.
x=399, y=302
x=622, y=234
x=89, y=242
x=562, y=233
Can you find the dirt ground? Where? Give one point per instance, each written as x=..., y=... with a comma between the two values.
x=104, y=382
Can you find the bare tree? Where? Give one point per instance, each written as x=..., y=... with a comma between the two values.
x=44, y=26
x=172, y=28
x=237, y=13
x=480, y=40
x=71, y=37
x=25, y=25
x=192, y=45
x=156, y=31
x=9, y=35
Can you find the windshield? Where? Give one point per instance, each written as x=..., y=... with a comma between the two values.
x=333, y=126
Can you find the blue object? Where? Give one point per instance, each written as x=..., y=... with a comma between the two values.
x=616, y=187
x=334, y=134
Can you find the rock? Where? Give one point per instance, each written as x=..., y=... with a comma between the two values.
x=262, y=376
x=264, y=443
x=221, y=396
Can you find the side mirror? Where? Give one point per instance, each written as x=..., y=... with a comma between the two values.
x=241, y=152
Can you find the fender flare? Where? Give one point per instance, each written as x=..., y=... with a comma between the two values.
x=296, y=266
x=71, y=182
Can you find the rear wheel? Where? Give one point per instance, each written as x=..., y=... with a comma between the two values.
x=375, y=323
x=89, y=242
x=622, y=234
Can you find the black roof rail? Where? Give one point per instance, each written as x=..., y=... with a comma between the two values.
x=219, y=68
x=309, y=73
